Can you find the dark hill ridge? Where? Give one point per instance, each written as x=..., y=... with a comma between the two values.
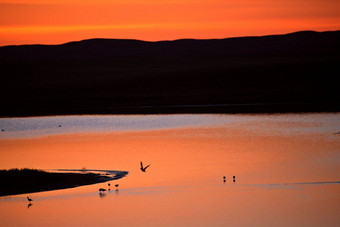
x=298, y=42
x=277, y=73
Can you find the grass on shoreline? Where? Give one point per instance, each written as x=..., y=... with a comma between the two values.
x=19, y=181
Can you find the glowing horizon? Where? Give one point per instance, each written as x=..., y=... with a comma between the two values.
x=56, y=22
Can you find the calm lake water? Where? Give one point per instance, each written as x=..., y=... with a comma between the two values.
x=287, y=169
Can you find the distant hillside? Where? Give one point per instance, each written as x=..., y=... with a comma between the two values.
x=296, y=72
x=294, y=43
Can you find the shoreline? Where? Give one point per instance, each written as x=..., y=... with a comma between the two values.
x=16, y=182
x=248, y=108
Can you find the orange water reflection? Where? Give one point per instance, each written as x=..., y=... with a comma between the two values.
x=183, y=186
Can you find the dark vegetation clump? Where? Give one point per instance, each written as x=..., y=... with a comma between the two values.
x=18, y=181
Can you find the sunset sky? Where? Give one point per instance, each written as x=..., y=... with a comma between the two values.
x=60, y=21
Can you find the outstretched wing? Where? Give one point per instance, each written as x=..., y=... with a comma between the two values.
x=147, y=166
x=141, y=165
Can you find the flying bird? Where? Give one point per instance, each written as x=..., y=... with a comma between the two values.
x=29, y=199
x=143, y=168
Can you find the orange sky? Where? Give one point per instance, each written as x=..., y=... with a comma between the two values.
x=59, y=21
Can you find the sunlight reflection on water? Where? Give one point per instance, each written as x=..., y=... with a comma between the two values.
x=44, y=126
x=286, y=167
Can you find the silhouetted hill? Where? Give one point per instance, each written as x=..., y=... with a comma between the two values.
x=277, y=73
x=298, y=43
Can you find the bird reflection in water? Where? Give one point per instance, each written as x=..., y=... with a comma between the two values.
x=29, y=205
x=102, y=195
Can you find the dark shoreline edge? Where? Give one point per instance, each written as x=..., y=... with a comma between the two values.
x=15, y=182
x=252, y=108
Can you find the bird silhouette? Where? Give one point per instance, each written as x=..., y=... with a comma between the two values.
x=143, y=168
x=116, y=185
x=102, y=190
x=29, y=199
